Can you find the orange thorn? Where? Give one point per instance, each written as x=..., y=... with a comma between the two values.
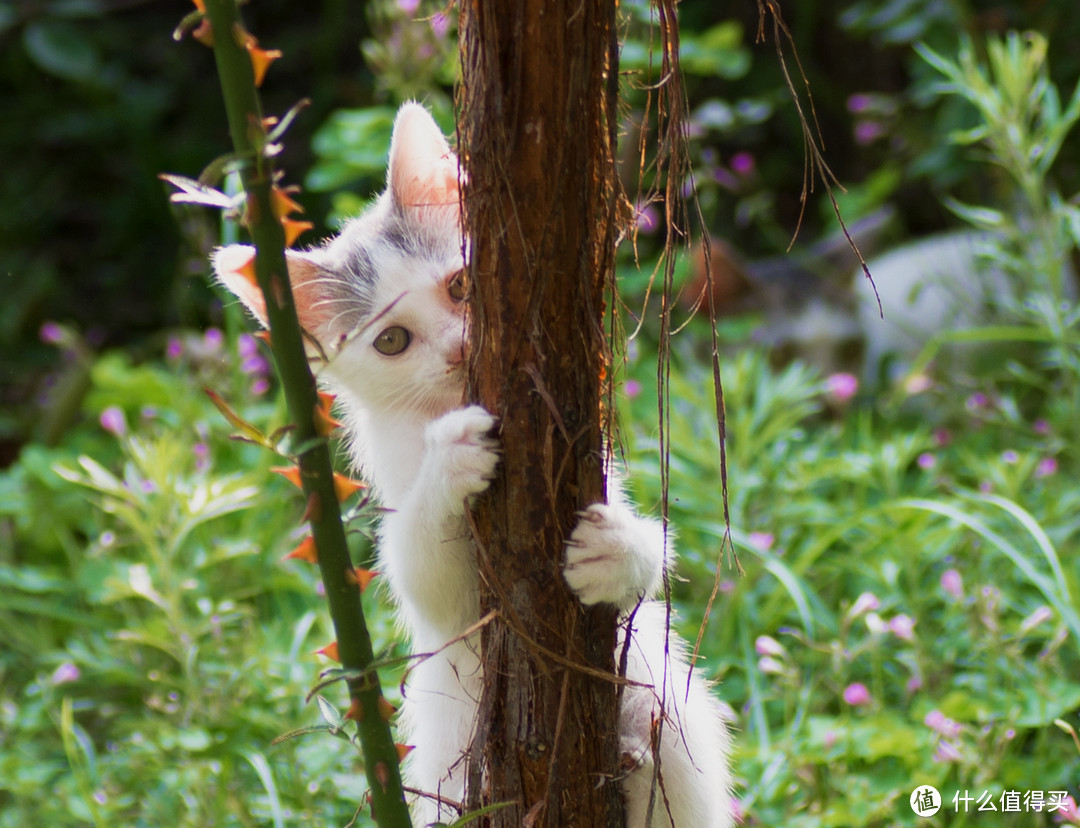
x=356, y=710
x=403, y=750
x=265, y=337
x=330, y=651
x=313, y=509
x=306, y=551
x=293, y=229
x=290, y=473
x=261, y=60
x=386, y=710
x=382, y=775
x=324, y=422
x=283, y=204
x=200, y=5
x=360, y=577
x=346, y=488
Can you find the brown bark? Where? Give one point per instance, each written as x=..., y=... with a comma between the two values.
x=537, y=140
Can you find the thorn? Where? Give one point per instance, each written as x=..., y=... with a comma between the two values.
x=382, y=775
x=204, y=32
x=265, y=337
x=360, y=577
x=200, y=5
x=324, y=421
x=356, y=710
x=403, y=750
x=306, y=551
x=277, y=287
x=283, y=204
x=293, y=229
x=313, y=510
x=345, y=488
x=330, y=651
x=261, y=60
x=290, y=473
x=386, y=710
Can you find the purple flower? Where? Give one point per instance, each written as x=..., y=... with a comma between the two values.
x=977, y=401
x=247, y=346
x=903, y=627
x=857, y=695
x=1041, y=426
x=64, y=673
x=112, y=420
x=858, y=102
x=866, y=132
x=260, y=387
x=1009, y=456
x=408, y=7
x=648, y=218
x=926, y=461
x=743, y=164
x=631, y=388
x=953, y=583
x=1047, y=466
x=914, y=684
x=174, y=349
x=942, y=437
x=842, y=387
x=202, y=456
x=213, y=338
x=52, y=333
x=772, y=666
x=440, y=24
x=947, y=752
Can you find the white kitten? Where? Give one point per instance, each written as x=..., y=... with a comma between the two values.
x=385, y=300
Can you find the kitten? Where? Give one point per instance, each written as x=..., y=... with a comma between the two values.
x=386, y=302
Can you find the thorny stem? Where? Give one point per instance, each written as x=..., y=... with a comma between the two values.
x=354, y=643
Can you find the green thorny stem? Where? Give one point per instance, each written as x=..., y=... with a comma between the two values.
x=354, y=642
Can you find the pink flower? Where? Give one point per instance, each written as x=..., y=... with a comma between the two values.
x=926, y=461
x=766, y=645
x=112, y=420
x=953, y=583
x=942, y=724
x=632, y=388
x=903, y=627
x=440, y=24
x=761, y=540
x=1009, y=456
x=1035, y=619
x=1047, y=466
x=409, y=7
x=917, y=383
x=648, y=218
x=942, y=437
x=859, y=102
x=857, y=695
x=1041, y=426
x=866, y=132
x=64, y=673
x=867, y=602
x=772, y=666
x=914, y=684
x=842, y=387
x=52, y=334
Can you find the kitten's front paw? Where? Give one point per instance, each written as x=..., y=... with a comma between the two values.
x=613, y=556
x=462, y=452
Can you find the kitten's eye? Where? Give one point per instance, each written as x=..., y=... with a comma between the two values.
x=457, y=287
x=392, y=341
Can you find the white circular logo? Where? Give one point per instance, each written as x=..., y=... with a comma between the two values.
x=925, y=800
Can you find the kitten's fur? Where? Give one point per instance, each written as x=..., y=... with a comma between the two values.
x=395, y=267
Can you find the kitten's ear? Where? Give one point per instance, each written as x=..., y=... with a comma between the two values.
x=235, y=268
x=423, y=170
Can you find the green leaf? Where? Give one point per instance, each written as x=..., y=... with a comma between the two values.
x=61, y=49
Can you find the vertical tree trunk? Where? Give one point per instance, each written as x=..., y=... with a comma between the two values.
x=537, y=139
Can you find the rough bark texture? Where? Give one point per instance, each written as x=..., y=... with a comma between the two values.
x=537, y=139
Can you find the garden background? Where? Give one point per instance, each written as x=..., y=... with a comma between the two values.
x=908, y=613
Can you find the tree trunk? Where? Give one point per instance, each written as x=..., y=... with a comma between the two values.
x=538, y=139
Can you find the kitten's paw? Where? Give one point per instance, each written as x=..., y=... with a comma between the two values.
x=462, y=451
x=612, y=556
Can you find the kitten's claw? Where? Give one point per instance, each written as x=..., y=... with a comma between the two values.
x=462, y=450
x=612, y=556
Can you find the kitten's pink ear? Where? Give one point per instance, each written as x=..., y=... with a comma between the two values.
x=423, y=170
x=235, y=268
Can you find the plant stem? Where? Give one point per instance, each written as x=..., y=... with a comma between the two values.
x=316, y=471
